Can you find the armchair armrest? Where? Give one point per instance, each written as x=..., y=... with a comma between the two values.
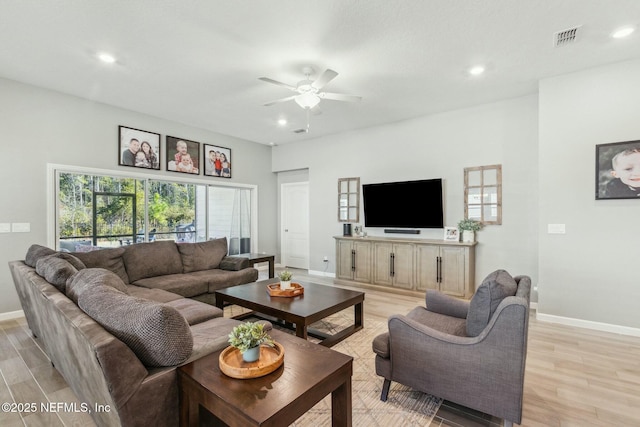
x=438, y=302
x=233, y=263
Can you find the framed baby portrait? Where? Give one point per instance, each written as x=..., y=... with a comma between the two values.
x=138, y=148
x=183, y=156
x=451, y=234
x=618, y=170
x=217, y=161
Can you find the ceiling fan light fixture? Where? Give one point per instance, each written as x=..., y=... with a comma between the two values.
x=307, y=100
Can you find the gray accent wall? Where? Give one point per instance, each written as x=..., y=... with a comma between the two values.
x=436, y=146
x=41, y=127
x=589, y=273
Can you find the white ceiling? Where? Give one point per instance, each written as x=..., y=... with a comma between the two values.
x=198, y=62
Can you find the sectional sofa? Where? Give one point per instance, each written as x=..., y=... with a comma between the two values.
x=117, y=322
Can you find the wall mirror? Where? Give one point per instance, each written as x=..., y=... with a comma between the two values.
x=483, y=194
x=349, y=200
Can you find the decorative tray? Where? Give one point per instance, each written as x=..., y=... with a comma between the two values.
x=275, y=291
x=231, y=362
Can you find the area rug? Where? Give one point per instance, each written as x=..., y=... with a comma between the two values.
x=404, y=406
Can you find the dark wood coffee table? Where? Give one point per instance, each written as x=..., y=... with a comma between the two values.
x=309, y=373
x=317, y=302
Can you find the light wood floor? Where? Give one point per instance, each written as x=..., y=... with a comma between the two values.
x=574, y=377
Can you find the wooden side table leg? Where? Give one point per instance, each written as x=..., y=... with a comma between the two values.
x=341, y=405
x=272, y=272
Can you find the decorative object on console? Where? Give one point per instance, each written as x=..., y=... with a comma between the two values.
x=618, y=170
x=285, y=279
x=469, y=228
x=138, y=148
x=247, y=338
x=346, y=229
x=216, y=161
x=451, y=234
x=183, y=155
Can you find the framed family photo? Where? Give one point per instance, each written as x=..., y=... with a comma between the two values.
x=138, y=148
x=451, y=234
x=217, y=161
x=183, y=156
x=618, y=170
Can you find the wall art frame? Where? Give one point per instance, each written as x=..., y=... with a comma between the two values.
x=183, y=155
x=138, y=148
x=451, y=234
x=618, y=170
x=216, y=161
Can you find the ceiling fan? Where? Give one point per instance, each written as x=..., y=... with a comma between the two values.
x=308, y=92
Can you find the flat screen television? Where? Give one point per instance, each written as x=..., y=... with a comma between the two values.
x=407, y=204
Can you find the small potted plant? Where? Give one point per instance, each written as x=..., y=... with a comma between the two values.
x=285, y=279
x=468, y=227
x=247, y=338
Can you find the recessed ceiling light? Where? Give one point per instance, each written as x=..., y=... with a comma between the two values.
x=477, y=70
x=282, y=122
x=622, y=32
x=106, y=57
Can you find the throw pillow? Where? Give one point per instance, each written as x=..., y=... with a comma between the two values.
x=156, y=333
x=92, y=277
x=202, y=256
x=110, y=259
x=35, y=252
x=495, y=287
x=55, y=270
x=152, y=259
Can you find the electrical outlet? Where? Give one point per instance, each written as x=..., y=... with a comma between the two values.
x=325, y=259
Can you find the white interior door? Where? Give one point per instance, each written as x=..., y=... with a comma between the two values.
x=295, y=224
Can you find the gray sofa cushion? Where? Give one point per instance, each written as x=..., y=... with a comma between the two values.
x=234, y=263
x=157, y=295
x=440, y=322
x=35, y=252
x=55, y=270
x=495, y=287
x=158, y=334
x=90, y=278
x=152, y=259
x=203, y=255
x=195, y=311
x=110, y=259
x=439, y=302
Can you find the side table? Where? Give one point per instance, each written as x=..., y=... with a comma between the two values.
x=255, y=258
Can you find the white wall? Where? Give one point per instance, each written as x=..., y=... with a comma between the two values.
x=437, y=146
x=41, y=126
x=589, y=272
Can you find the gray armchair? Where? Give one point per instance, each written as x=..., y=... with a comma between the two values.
x=469, y=352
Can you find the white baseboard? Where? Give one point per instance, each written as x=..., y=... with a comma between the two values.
x=11, y=315
x=321, y=273
x=588, y=324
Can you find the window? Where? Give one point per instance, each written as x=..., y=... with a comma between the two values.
x=483, y=194
x=97, y=211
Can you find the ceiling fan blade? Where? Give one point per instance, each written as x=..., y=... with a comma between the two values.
x=277, y=101
x=325, y=78
x=339, y=97
x=275, y=82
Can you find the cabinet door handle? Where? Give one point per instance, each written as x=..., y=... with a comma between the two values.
x=392, y=264
x=353, y=260
x=439, y=278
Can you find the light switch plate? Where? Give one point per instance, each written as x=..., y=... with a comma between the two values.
x=556, y=229
x=21, y=227
x=5, y=227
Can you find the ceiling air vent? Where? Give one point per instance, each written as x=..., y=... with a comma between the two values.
x=565, y=37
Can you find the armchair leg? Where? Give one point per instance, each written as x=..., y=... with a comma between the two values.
x=385, y=389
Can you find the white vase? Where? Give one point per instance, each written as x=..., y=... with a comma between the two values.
x=285, y=284
x=251, y=355
x=468, y=236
